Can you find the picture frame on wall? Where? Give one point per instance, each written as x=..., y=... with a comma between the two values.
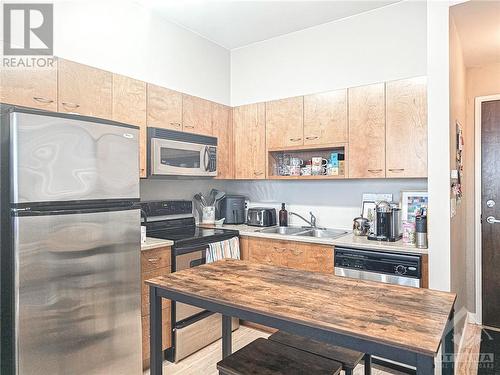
x=411, y=202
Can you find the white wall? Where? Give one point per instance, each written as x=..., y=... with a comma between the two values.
x=125, y=38
x=381, y=45
x=438, y=144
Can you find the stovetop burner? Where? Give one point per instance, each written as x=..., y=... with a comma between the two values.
x=173, y=220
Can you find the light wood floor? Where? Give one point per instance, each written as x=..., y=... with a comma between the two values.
x=204, y=361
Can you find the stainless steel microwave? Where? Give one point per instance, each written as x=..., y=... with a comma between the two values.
x=172, y=153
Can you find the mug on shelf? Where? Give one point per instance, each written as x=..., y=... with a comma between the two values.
x=306, y=171
x=318, y=161
x=294, y=170
x=296, y=162
x=318, y=170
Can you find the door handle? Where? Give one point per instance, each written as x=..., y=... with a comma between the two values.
x=492, y=220
x=206, y=158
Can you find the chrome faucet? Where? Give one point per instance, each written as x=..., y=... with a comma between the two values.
x=312, y=222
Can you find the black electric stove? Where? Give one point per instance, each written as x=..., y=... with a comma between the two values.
x=173, y=220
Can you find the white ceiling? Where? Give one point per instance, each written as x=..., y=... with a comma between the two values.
x=234, y=24
x=478, y=24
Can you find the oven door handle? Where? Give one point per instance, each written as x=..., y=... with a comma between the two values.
x=189, y=249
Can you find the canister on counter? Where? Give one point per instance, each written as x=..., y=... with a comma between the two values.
x=421, y=231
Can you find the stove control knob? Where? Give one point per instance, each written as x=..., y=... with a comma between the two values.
x=401, y=270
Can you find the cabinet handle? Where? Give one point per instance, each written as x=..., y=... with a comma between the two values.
x=396, y=169
x=175, y=124
x=189, y=126
x=258, y=173
x=296, y=252
x=295, y=139
x=70, y=105
x=42, y=100
x=375, y=170
x=279, y=250
x=152, y=260
x=311, y=138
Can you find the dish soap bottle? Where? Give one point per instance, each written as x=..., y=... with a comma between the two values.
x=283, y=216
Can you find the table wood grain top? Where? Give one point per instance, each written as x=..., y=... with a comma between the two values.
x=404, y=317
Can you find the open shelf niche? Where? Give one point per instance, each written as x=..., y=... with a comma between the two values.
x=306, y=153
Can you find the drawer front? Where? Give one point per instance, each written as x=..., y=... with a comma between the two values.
x=145, y=289
x=155, y=258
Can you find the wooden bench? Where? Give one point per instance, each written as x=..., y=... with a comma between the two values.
x=265, y=357
x=347, y=357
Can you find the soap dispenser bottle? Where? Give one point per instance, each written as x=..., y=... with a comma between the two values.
x=283, y=216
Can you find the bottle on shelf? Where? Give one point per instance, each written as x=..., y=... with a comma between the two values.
x=283, y=216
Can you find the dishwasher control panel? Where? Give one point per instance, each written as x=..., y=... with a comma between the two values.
x=379, y=262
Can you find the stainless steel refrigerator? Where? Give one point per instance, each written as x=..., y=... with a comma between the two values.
x=70, y=264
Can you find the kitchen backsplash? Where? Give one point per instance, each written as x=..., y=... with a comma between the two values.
x=335, y=203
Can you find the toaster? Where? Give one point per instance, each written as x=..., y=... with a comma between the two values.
x=261, y=217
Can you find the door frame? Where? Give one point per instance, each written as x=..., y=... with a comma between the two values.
x=478, y=316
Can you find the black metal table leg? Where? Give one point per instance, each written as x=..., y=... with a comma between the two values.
x=226, y=336
x=425, y=365
x=448, y=347
x=368, y=364
x=155, y=339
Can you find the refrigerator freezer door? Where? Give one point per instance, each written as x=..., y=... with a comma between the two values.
x=78, y=293
x=56, y=159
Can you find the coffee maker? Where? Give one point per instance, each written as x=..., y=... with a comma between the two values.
x=387, y=223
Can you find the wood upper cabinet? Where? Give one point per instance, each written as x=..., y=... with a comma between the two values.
x=84, y=90
x=164, y=108
x=406, y=136
x=249, y=129
x=223, y=130
x=196, y=115
x=35, y=88
x=284, y=122
x=129, y=106
x=367, y=131
x=325, y=118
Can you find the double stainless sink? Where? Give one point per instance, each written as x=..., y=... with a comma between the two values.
x=304, y=231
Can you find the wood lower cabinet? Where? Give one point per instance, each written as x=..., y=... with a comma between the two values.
x=84, y=90
x=367, y=145
x=325, y=118
x=222, y=127
x=196, y=115
x=284, y=123
x=154, y=262
x=129, y=106
x=406, y=136
x=164, y=108
x=249, y=129
x=298, y=255
x=35, y=88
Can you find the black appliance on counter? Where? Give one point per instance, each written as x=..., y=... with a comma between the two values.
x=261, y=217
x=192, y=328
x=387, y=224
x=231, y=207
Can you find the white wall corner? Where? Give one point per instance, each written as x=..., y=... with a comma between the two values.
x=438, y=99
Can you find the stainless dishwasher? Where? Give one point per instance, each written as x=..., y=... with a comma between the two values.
x=391, y=268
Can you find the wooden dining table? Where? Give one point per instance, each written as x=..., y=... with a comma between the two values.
x=403, y=324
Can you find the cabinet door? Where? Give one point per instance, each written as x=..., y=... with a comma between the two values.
x=285, y=122
x=406, y=135
x=196, y=115
x=367, y=131
x=164, y=108
x=129, y=106
x=267, y=251
x=223, y=130
x=249, y=141
x=84, y=90
x=35, y=88
x=325, y=118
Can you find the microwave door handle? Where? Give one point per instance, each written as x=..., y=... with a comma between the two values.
x=206, y=158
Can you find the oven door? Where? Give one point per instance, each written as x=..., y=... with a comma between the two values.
x=175, y=158
x=184, y=261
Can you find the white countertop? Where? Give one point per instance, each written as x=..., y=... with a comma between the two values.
x=153, y=243
x=360, y=242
